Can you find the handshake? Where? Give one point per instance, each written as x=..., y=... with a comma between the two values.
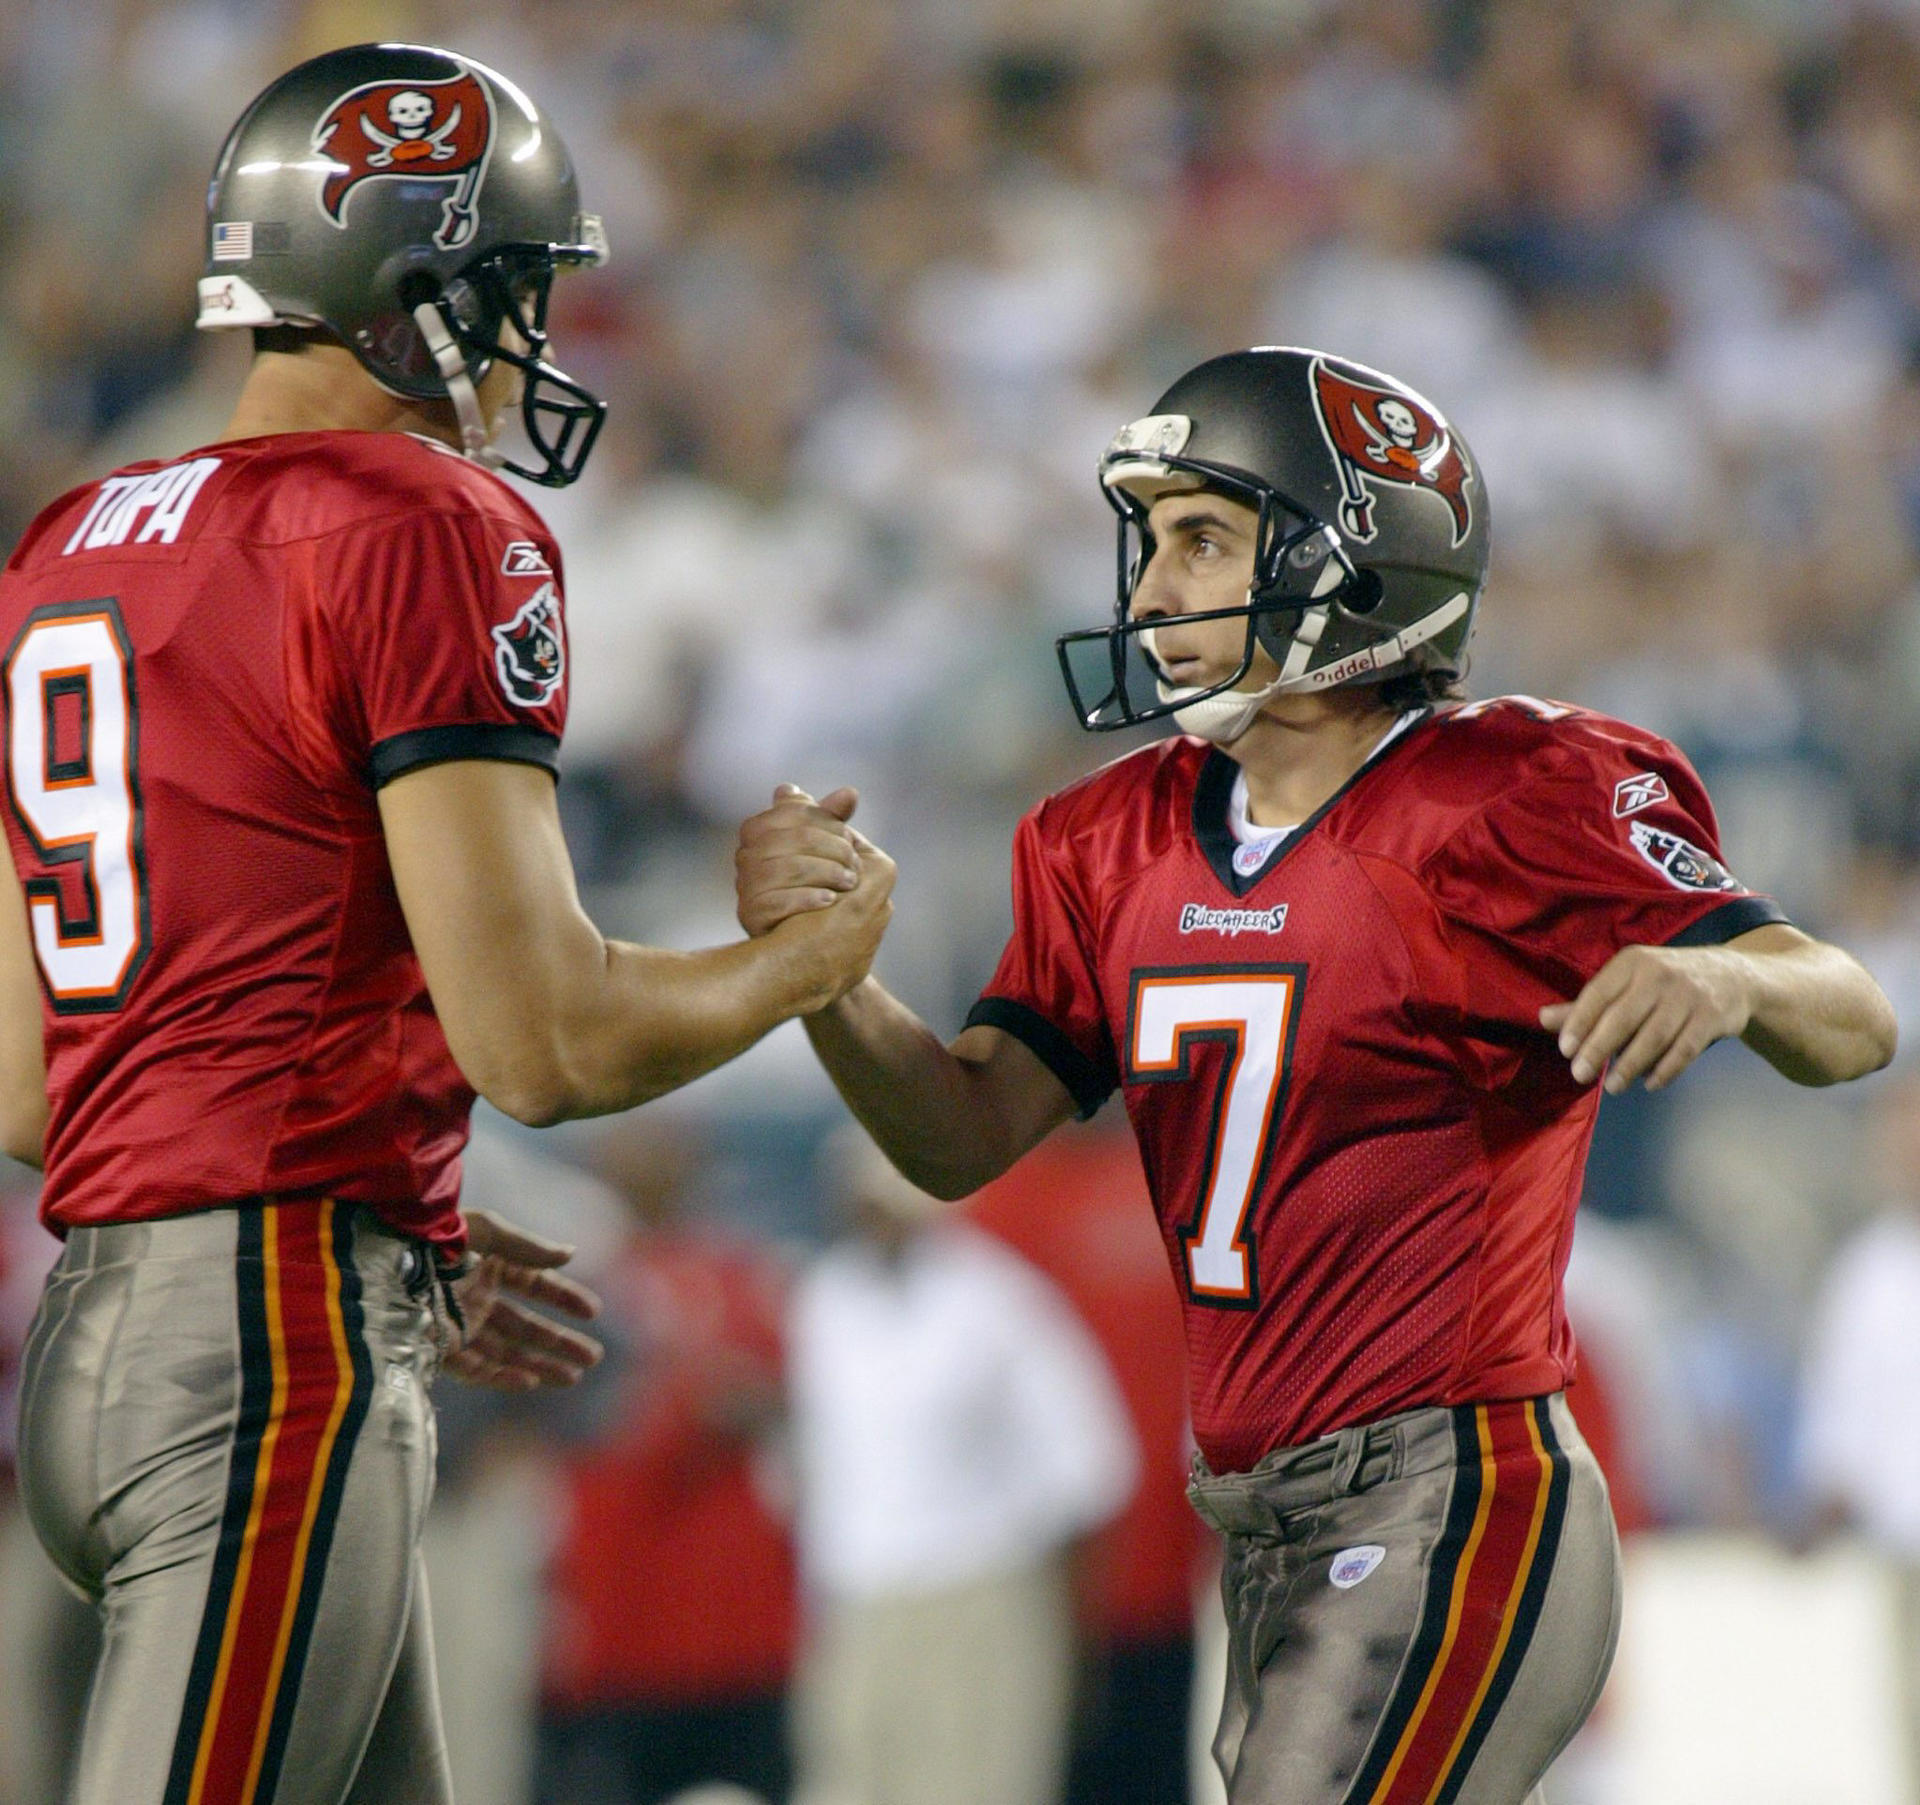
x=803, y=872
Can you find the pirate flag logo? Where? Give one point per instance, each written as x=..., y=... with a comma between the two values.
x=435, y=131
x=1684, y=865
x=1383, y=435
x=529, y=653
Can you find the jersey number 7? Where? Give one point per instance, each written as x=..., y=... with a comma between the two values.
x=1251, y=1010
x=72, y=753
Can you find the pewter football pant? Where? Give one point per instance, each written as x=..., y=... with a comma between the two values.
x=1420, y=1611
x=226, y=1440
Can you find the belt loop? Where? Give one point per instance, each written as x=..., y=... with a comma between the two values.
x=1397, y=1461
x=1350, y=1449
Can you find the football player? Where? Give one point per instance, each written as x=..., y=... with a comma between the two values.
x=1355, y=953
x=286, y=888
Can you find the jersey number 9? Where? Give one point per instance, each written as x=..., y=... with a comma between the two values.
x=72, y=744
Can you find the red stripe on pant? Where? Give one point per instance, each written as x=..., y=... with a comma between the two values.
x=1515, y=1475
x=312, y=1380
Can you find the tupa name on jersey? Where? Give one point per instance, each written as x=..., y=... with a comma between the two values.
x=162, y=496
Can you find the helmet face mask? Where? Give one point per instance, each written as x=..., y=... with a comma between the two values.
x=507, y=292
x=1297, y=561
x=408, y=203
x=1370, y=548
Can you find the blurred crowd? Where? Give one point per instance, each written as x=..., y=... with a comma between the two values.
x=888, y=273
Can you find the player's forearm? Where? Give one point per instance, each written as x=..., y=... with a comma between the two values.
x=23, y=1059
x=648, y=1021
x=1818, y=1017
x=939, y=1116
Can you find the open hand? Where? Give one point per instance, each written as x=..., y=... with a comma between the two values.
x=1652, y=1011
x=506, y=1346
x=795, y=856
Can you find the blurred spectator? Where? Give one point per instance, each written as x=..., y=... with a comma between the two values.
x=671, y=1594
x=486, y=1535
x=1859, y=1442
x=956, y=1433
x=1860, y=1407
x=1077, y=1207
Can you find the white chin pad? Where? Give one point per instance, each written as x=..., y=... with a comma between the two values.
x=1222, y=718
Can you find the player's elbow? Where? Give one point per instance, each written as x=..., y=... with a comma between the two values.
x=23, y=1127
x=956, y=1184
x=953, y=1175
x=530, y=1102
x=1880, y=1036
x=1864, y=1042
x=1868, y=1035
x=525, y=1074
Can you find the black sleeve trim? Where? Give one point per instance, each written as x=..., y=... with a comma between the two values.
x=1089, y=1083
x=442, y=745
x=1741, y=916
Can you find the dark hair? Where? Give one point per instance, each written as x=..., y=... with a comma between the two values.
x=285, y=338
x=1413, y=689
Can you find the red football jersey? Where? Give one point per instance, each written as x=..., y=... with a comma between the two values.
x=212, y=666
x=1364, y=1151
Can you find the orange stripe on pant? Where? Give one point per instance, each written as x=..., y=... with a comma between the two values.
x=312, y=1385
x=1516, y=1476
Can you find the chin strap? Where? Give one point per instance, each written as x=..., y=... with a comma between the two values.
x=1225, y=716
x=476, y=440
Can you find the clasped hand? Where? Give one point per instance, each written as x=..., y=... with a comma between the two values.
x=802, y=862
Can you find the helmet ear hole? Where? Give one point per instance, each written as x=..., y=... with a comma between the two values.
x=418, y=287
x=1364, y=593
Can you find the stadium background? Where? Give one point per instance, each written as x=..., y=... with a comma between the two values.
x=886, y=275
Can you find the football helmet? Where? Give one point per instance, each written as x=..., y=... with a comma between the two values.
x=1371, y=545
x=414, y=205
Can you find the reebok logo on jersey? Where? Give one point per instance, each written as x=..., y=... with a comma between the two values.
x=1197, y=918
x=525, y=559
x=1352, y=1565
x=529, y=652
x=1679, y=861
x=163, y=496
x=1642, y=790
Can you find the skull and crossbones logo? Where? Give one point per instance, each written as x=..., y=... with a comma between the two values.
x=1395, y=444
x=410, y=113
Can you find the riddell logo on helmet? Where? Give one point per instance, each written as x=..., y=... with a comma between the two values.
x=1381, y=435
x=418, y=131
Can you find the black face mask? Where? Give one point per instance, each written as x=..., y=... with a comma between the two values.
x=562, y=418
x=1111, y=674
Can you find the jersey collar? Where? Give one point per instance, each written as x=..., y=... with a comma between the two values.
x=1213, y=795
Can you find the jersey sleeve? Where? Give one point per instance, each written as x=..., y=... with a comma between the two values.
x=447, y=639
x=1607, y=844
x=1046, y=992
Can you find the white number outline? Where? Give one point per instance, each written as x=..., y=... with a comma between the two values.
x=45, y=897
x=1213, y=1229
